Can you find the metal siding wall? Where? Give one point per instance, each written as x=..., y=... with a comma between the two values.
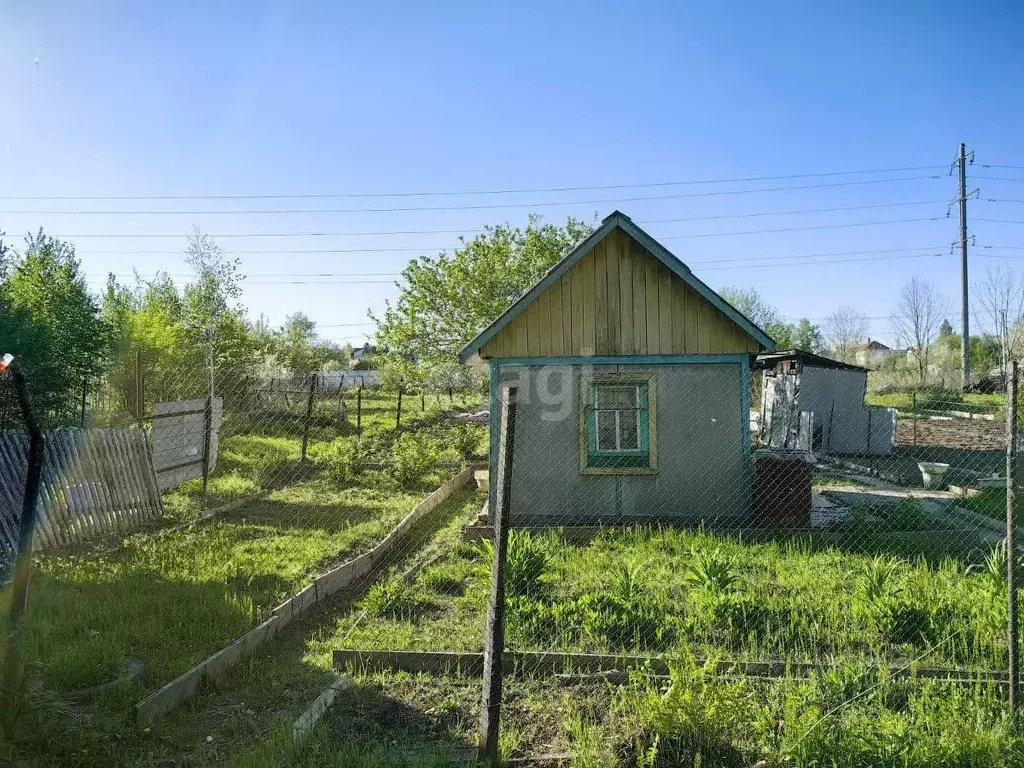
x=704, y=470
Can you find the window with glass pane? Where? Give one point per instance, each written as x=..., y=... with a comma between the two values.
x=618, y=424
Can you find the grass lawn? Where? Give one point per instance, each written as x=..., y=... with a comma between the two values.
x=170, y=596
x=671, y=591
x=848, y=716
x=856, y=614
x=991, y=502
x=247, y=714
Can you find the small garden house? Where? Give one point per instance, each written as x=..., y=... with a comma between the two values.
x=633, y=383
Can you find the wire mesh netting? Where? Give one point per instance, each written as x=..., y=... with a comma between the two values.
x=705, y=562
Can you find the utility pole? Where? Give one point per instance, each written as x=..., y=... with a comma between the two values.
x=965, y=341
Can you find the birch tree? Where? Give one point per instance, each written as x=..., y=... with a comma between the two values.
x=999, y=306
x=916, y=320
x=844, y=330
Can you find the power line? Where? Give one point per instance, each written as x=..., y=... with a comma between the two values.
x=463, y=231
x=999, y=178
x=799, y=229
x=538, y=204
x=821, y=255
x=438, y=193
x=453, y=231
x=423, y=248
x=731, y=267
x=1001, y=221
x=830, y=261
x=688, y=262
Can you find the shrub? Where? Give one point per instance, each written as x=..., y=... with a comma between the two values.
x=526, y=560
x=340, y=459
x=465, y=439
x=412, y=456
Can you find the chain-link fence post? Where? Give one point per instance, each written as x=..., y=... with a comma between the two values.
x=1013, y=639
x=207, y=434
x=490, y=711
x=12, y=682
x=85, y=394
x=359, y=409
x=309, y=414
x=913, y=406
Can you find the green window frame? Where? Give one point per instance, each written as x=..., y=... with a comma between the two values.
x=617, y=431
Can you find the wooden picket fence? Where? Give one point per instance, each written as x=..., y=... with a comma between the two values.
x=95, y=481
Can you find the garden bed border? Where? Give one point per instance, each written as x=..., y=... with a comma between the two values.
x=187, y=685
x=308, y=720
x=470, y=663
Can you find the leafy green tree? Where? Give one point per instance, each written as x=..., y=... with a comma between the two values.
x=445, y=300
x=761, y=313
x=148, y=339
x=50, y=321
x=807, y=336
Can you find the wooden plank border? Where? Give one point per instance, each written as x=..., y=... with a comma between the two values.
x=552, y=663
x=308, y=720
x=187, y=685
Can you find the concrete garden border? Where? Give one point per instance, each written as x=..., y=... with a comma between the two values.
x=185, y=686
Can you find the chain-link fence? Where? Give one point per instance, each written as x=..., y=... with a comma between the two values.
x=708, y=562
x=710, y=566
x=181, y=518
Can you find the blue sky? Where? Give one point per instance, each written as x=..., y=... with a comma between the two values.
x=282, y=98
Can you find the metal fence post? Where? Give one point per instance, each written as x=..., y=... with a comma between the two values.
x=359, y=409
x=85, y=393
x=207, y=435
x=1013, y=628
x=398, y=410
x=490, y=711
x=309, y=414
x=138, y=388
x=914, y=411
x=12, y=682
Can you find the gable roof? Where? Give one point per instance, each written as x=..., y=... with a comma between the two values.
x=618, y=220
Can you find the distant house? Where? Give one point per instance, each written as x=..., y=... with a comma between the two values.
x=361, y=356
x=633, y=380
x=874, y=353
